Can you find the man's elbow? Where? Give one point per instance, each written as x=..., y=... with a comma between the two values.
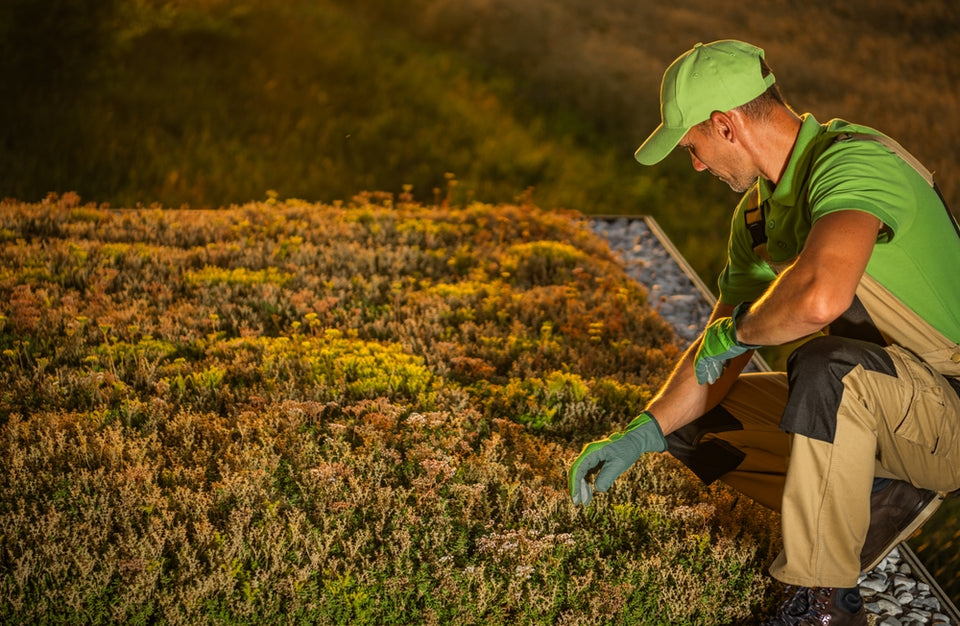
x=823, y=306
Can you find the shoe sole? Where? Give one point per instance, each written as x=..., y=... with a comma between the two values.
x=919, y=520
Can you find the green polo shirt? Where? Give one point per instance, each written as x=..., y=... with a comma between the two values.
x=917, y=254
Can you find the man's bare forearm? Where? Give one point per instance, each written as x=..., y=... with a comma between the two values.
x=816, y=289
x=682, y=399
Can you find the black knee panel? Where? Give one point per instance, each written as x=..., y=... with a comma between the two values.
x=712, y=458
x=815, y=373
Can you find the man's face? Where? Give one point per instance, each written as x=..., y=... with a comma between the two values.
x=709, y=152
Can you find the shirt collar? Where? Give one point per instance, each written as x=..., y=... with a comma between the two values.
x=791, y=183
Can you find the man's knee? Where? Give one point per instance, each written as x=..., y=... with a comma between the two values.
x=815, y=373
x=830, y=356
x=709, y=459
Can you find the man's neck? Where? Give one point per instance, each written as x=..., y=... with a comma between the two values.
x=778, y=135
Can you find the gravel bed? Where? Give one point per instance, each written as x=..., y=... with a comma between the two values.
x=895, y=594
x=671, y=292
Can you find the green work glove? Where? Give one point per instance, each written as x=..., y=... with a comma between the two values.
x=614, y=455
x=719, y=345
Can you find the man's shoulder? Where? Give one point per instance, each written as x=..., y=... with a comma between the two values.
x=837, y=126
x=841, y=136
x=858, y=151
x=828, y=150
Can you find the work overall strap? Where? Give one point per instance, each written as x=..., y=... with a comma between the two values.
x=898, y=324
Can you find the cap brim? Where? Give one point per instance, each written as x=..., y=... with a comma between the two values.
x=659, y=144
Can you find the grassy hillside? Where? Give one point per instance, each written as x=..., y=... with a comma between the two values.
x=356, y=413
x=208, y=102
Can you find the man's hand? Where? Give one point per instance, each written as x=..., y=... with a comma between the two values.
x=718, y=345
x=614, y=455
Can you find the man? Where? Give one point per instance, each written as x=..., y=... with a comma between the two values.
x=841, y=238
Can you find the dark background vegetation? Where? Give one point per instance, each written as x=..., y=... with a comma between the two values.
x=209, y=102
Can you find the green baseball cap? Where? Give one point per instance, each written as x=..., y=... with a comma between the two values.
x=717, y=76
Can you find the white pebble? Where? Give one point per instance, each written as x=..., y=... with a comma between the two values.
x=890, y=607
x=905, y=598
x=875, y=583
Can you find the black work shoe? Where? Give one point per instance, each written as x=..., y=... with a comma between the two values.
x=820, y=606
x=896, y=511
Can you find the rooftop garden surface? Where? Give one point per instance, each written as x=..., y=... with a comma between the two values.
x=357, y=412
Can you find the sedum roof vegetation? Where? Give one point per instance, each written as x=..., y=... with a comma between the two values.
x=362, y=412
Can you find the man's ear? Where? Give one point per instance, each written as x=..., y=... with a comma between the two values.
x=724, y=125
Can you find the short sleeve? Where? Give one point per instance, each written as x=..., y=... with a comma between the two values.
x=864, y=176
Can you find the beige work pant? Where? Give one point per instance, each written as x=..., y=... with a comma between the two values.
x=903, y=425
